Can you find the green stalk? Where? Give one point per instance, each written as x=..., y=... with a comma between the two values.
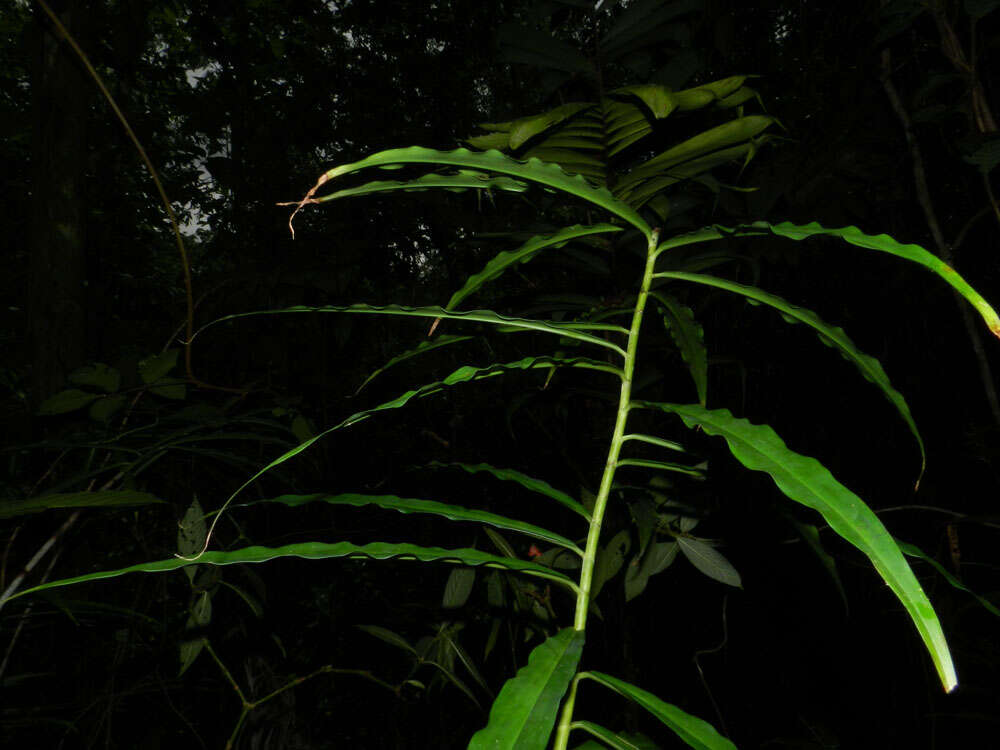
x=601, y=503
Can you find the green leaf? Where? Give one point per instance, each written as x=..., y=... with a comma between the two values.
x=422, y=348
x=534, y=170
x=97, y=375
x=199, y=617
x=323, y=551
x=66, y=401
x=689, y=337
x=153, y=368
x=914, y=551
x=610, y=559
x=887, y=244
x=457, y=182
x=106, y=407
x=870, y=368
x=413, y=505
x=172, y=388
x=810, y=534
x=501, y=262
x=524, y=712
x=192, y=532
x=526, y=128
x=693, y=471
x=659, y=99
x=709, y=561
x=99, y=499
x=529, y=483
x=695, y=732
x=384, y=634
x=458, y=588
x=806, y=481
x=566, y=330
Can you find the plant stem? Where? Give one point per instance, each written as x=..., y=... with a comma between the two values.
x=601, y=502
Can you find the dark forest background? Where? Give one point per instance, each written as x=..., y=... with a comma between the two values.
x=241, y=105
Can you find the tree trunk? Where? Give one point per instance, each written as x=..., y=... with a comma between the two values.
x=57, y=283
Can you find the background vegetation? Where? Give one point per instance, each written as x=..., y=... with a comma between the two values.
x=240, y=105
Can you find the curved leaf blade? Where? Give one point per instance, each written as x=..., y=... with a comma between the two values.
x=871, y=369
x=524, y=712
x=457, y=182
x=445, y=510
x=709, y=561
x=534, y=170
x=567, y=330
x=501, y=262
x=696, y=732
x=806, y=481
x=422, y=348
x=609, y=738
x=324, y=551
x=689, y=337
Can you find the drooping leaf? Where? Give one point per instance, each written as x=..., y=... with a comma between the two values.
x=414, y=505
x=887, y=244
x=697, y=733
x=99, y=499
x=529, y=483
x=612, y=740
x=693, y=471
x=870, y=368
x=323, y=551
x=806, y=481
x=709, y=561
x=501, y=262
x=524, y=712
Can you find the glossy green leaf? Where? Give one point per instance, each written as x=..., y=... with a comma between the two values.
x=534, y=170
x=501, y=262
x=693, y=471
x=709, y=561
x=422, y=348
x=887, y=244
x=576, y=331
x=524, y=712
x=461, y=181
x=323, y=551
x=689, y=337
x=870, y=368
x=529, y=483
x=806, y=481
x=414, y=505
x=697, y=733
x=98, y=499
x=653, y=440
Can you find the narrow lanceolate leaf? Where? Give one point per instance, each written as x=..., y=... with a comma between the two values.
x=460, y=181
x=323, y=551
x=523, y=254
x=689, y=337
x=534, y=170
x=414, y=505
x=806, y=481
x=887, y=244
x=833, y=336
x=663, y=466
x=566, y=330
x=529, y=483
x=102, y=498
x=422, y=348
x=696, y=732
x=524, y=712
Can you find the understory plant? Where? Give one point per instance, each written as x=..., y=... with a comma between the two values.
x=538, y=704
